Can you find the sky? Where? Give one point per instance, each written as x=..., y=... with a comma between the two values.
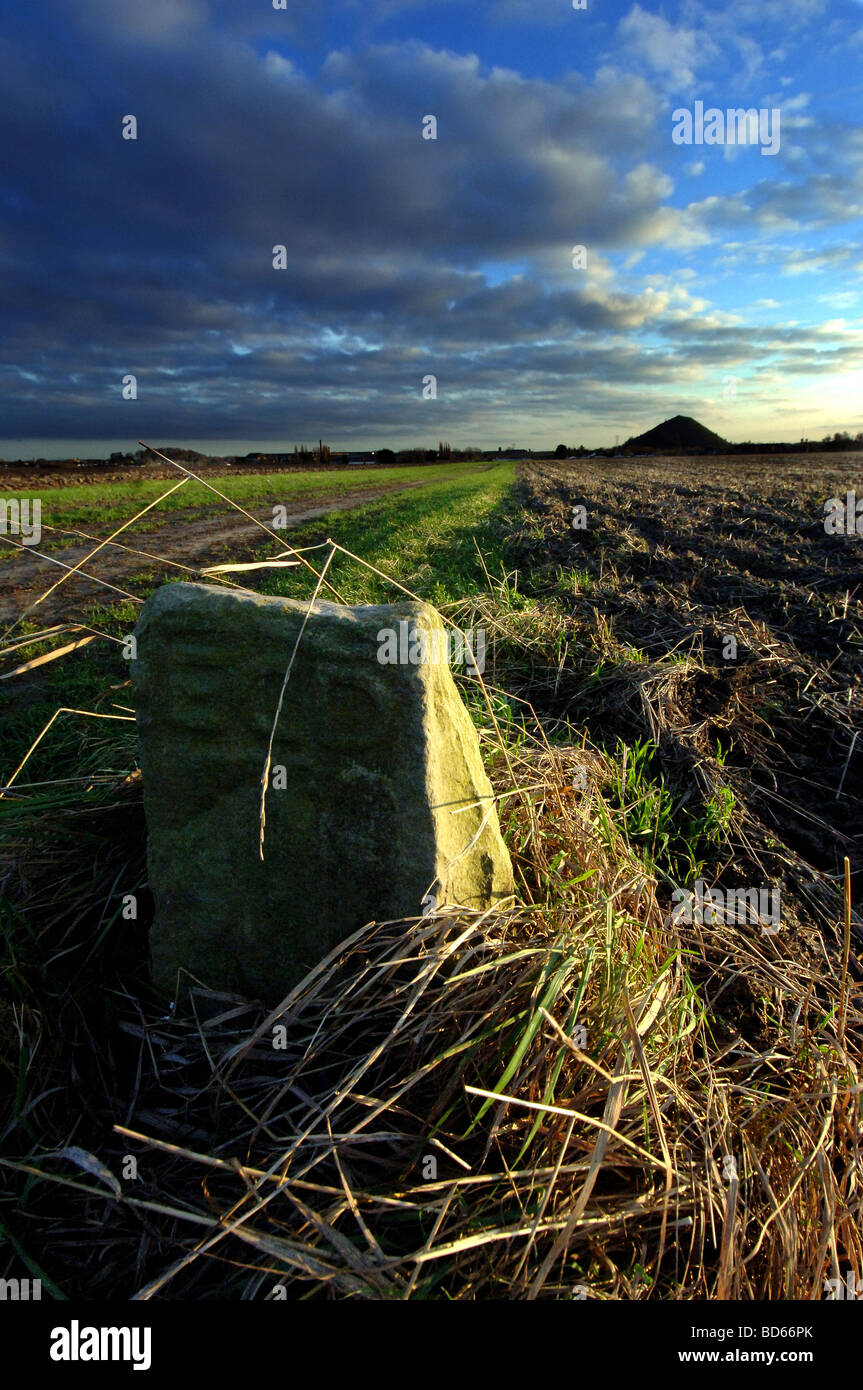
x=428, y=288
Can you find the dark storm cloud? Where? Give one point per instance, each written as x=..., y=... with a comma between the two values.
x=155, y=256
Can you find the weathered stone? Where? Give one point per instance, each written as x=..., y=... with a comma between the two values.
x=371, y=764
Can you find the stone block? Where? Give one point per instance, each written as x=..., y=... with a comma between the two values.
x=376, y=797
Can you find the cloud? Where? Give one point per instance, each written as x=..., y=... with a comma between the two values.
x=672, y=52
x=803, y=261
x=155, y=256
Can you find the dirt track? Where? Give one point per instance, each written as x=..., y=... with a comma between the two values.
x=180, y=544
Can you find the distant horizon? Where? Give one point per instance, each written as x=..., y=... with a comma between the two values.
x=100, y=449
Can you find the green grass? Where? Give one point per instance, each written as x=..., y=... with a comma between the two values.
x=427, y=539
x=671, y=841
x=95, y=503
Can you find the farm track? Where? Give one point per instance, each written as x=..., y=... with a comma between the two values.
x=177, y=544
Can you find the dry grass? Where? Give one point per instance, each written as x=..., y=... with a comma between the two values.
x=422, y=1116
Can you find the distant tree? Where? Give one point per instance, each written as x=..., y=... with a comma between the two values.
x=385, y=456
x=561, y=451
x=444, y=450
